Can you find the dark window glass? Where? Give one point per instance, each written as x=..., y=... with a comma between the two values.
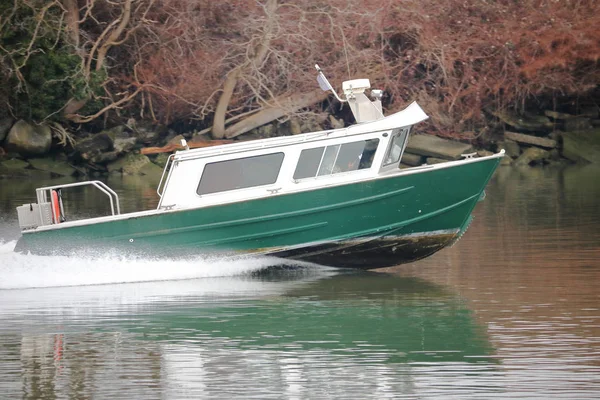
x=397, y=146
x=240, y=173
x=337, y=158
x=308, y=163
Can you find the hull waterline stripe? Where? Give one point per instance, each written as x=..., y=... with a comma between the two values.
x=265, y=218
x=262, y=235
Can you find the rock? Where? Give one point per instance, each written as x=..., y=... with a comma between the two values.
x=116, y=132
x=146, y=132
x=266, y=131
x=14, y=163
x=578, y=124
x=131, y=164
x=28, y=139
x=513, y=150
x=106, y=157
x=555, y=155
x=176, y=140
x=58, y=168
x=412, y=159
x=529, y=139
x=582, y=145
x=433, y=146
x=15, y=168
x=151, y=170
x=161, y=159
x=484, y=153
x=124, y=145
x=532, y=156
x=336, y=123
x=527, y=122
x=435, y=160
x=295, y=126
x=506, y=161
x=313, y=123
x=5, y=125
x=92, y=147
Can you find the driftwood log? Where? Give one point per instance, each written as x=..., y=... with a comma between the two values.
x=530, y=139
x=168, y=148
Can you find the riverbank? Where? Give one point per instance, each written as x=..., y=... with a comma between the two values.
x=533, y=139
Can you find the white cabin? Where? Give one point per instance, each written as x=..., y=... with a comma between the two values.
x=259, y=168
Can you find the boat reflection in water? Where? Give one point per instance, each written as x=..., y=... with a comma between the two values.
x=304, y=333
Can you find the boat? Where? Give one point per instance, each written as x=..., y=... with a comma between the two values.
x=336, y=197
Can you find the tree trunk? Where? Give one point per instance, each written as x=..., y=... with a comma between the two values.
x=218, y=129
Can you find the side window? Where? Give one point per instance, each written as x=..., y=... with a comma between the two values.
x=337, y=158
x=308, y=164
x=240, y=173
x=397, y=145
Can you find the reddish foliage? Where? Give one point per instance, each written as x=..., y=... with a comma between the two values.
x=455, y=58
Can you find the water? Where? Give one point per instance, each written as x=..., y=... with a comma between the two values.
x=511, y=311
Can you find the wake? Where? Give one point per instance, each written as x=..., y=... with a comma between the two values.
x=20, y=271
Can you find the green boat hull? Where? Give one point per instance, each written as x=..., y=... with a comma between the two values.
x=366, y=225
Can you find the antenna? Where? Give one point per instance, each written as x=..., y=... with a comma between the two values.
x=325, y=85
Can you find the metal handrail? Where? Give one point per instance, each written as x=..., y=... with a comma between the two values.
x=41, y=193
x=169, y=160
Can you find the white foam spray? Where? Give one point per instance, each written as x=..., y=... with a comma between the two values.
x=18, y=271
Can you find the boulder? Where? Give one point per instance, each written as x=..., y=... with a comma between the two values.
x=313, y=123
x=146, y=132
x=266, y=131
x=116, y=132
x=28, y=139
x=412, y=159
x=433, y=146
x=5, y=125
x=131, y=164
x=59, y=168
x=15, y=168
x=14, y=163
x=578, y=124
x=161, y=159
x=91, y=148
x=336, y=123
x=505, y=161
x=295, y=126
x=513, y=150
x=435, y=160
x=152, y=171
x=124, y=145
x=582, y=145
x=532, y=156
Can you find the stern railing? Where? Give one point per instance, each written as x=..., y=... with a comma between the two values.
x=43, y=192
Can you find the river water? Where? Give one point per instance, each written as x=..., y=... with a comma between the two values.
x=510, y=311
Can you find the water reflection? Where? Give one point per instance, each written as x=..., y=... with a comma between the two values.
x=307, y=333
x=530, y=268
x=510, y=311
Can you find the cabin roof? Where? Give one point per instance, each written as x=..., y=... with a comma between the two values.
x=409, y=116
